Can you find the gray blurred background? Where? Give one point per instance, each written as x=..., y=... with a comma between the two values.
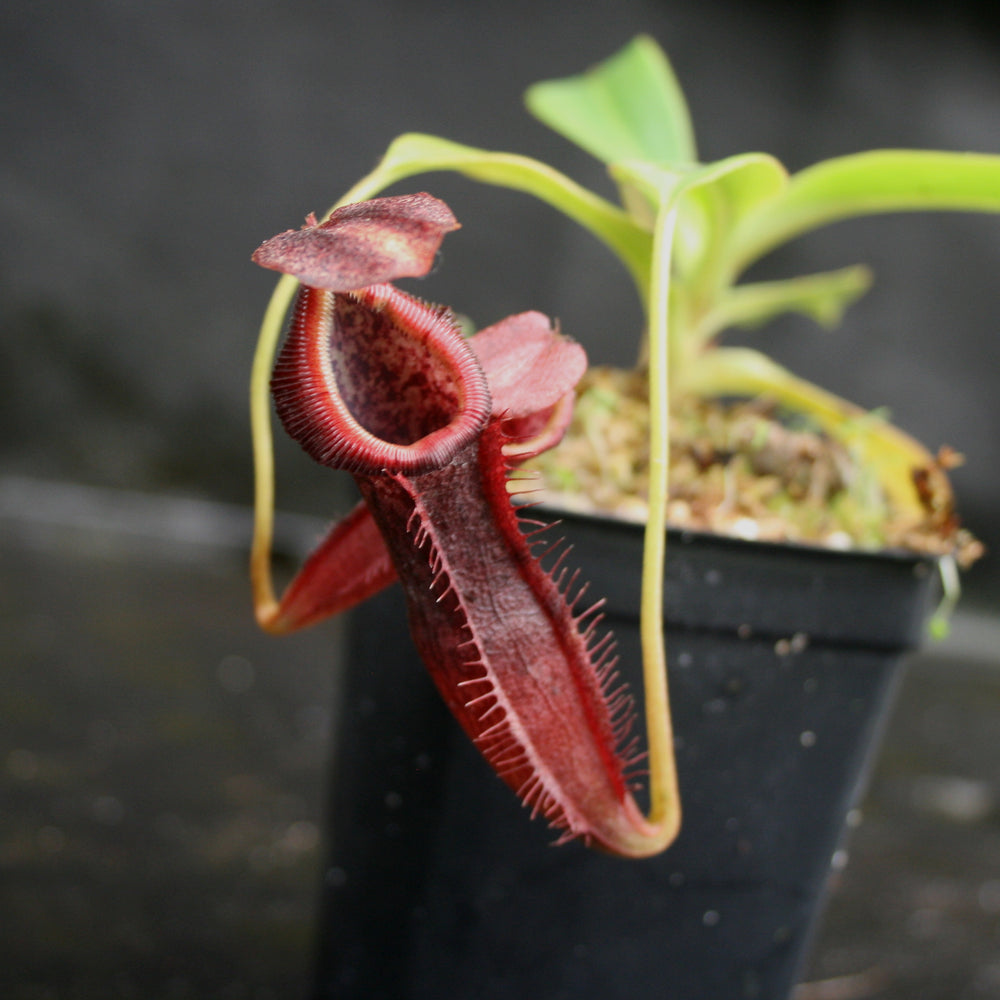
x=147, y=149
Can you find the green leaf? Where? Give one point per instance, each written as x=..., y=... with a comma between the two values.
x=822, y=297
x=867, y=184
x=629, y=107
x=715, y=198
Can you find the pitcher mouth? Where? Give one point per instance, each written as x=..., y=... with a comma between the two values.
x=376, y=381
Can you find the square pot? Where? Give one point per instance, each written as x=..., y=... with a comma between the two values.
x=783, y=663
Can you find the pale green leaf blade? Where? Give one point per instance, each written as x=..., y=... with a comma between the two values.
x=716, y=198
x=628, y=107
x=822, y=297
x=867, y=184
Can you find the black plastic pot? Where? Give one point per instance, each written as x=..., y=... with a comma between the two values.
x=783, y=662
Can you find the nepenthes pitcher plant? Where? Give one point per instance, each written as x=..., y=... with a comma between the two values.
x=433, y=427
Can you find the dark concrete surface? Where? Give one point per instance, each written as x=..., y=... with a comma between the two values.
x=162, y=765
x=162, y=776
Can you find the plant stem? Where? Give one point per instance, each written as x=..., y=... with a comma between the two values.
x=265, y=604
x=664, y=809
